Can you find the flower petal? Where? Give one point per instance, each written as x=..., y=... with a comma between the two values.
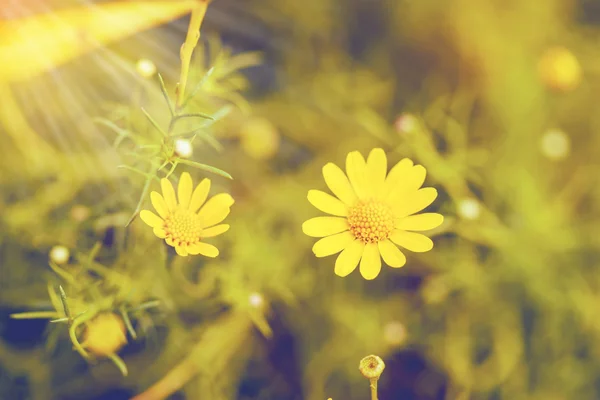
x=200, y=194
x=370, y=263
x=332, y=244
x=411, y=241
x=214, y=231
x=420, y=222
x=324, y=226
x=376, y=170
x=159, y=204
x=169, y=240
x=184, y=190
x=151, y=219
x=160, y=233
x=327, y=203
x=348, y=260
x=397, y=173
x=181, y=250
x=215, y=210
x=205, y=249
x=415, y=202
x=339, y=184
x=168, y=193
x=356, y=169
x=391, y=254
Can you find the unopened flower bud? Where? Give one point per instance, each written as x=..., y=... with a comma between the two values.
x=105, y=334
x=59, y=254
x=371, y=367
x=559, y=69
x=183, y=148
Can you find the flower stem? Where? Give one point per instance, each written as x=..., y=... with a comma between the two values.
x=187, y=49
x=374, y=389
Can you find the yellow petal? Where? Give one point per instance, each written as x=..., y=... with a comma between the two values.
x=205, y=249
x=168, y=193
x=200, y=194
x=324, y=226
x=370, y=263
x=339, y=184
x=158, y=202
x=398, y=173
x=181, y=250
x=332, y=244
x=160, y=233
x=356, y=169
x=151, y=219
x=420, y=222
x=215, y=210
x=327, y=203
x=405, y=186
x=170, y=241
x=349, y=258
x=411, y=241
x=214, y=231
x=414, y=202
x=184, y=190
x=376, y=170
x=391, y=254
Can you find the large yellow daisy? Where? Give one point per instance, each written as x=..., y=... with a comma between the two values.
x=180, y=223
x=373, y=213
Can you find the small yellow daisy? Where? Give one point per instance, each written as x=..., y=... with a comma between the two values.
x=372, y=213
x=180, y=223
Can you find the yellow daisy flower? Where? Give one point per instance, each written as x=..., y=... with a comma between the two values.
x=373, y=213
x=180, y=223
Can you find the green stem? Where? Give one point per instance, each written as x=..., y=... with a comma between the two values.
x=374, y=389
x=191, y=40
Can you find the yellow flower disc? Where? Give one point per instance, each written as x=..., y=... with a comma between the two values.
x=371, y=221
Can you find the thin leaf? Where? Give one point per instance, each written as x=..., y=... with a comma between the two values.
x=62, y=273
x=141, y=201
x=146, y=305
x=199, y=86
x=208, y=138
x=35, y=315
x=127, y=322
x=166, y=95
x=118, y=361
x=175, y=163
x=154, y=123
x=205, y=167
x=194, y=115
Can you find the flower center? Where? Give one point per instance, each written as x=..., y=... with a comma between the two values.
x=371, y=221
x=183, y=227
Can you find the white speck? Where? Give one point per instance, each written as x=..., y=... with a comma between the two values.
x=469, y=209
x=555, y=144
x=59, y=254
x=145, y=68
x=406, y=123
x=256, y=300
x=394, y=333
x=183, y=148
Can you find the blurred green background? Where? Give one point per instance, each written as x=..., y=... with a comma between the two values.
x=497, y=99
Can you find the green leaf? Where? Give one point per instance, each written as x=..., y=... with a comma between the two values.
x=154, y=123
x=194, y=115
x=205, y=167
x=163, y=89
